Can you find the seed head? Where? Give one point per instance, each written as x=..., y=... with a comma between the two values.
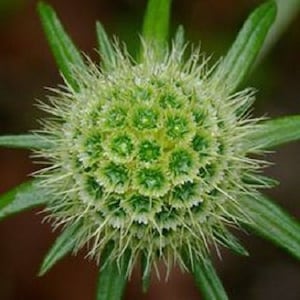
x=149, y=157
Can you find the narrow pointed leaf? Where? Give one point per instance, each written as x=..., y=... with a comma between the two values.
x=156, y=22
x=25, y=196
x=112, y=279
x=208, y=281
x=64, y=50
x=273, y=223
x=63, y=245
x=25, y=141
x=106, y=48
x=244, y=51
x=276, y=132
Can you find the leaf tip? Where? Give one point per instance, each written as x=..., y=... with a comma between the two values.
x=42, y=270
x=270, y=7
x=99, y=25
x=43, y=7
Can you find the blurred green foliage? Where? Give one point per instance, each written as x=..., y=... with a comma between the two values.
x=7, y=7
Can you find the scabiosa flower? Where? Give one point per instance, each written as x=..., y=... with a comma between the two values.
x=151, y=157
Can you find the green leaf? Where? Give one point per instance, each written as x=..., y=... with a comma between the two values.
x=156, y=23
x=106, y=48
x=25, y=196
x=276, y=132
x=27, y=141
x=65, y=52
x=245, y=49
x=273, y=223
x=63, y=245
x=112, y=278
x=208, y=281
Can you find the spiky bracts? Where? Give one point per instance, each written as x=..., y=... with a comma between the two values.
x=150, y=158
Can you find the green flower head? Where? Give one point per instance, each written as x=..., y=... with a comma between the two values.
x=150, y=156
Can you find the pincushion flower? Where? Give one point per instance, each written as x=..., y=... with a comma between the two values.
x=154, y=158
x=151, y=157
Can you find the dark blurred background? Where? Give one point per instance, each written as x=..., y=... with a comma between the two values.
x=26, y=67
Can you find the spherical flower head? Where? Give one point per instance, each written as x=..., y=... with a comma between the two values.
x=151, y=158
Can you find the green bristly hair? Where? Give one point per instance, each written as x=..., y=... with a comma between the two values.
x=149, y=156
